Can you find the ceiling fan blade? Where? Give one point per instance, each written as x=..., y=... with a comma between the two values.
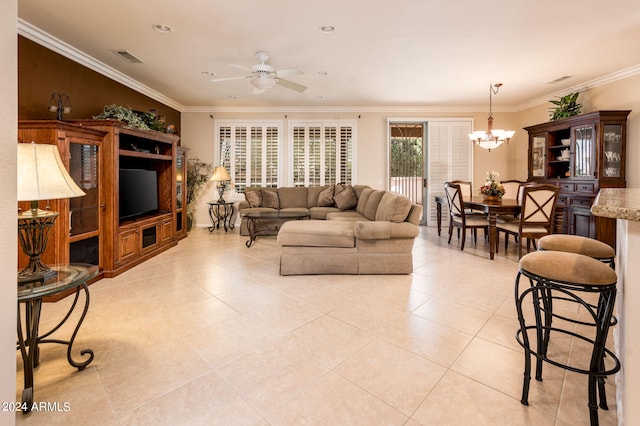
x=240, y=67
x=291, y=85
x=241, y=77
x=288, y=72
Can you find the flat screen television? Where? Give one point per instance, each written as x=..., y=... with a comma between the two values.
x=138, y=193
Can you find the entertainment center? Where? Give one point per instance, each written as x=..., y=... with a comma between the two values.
x=133, y=207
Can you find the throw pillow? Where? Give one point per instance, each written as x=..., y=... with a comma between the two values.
x=325, y=198
x=270, y=199
x=346, y=199
x=254, y=198
x=394, y=208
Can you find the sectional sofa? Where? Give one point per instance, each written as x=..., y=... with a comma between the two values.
x=352, y=229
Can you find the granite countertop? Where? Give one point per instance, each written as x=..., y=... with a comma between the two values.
x=618, y=203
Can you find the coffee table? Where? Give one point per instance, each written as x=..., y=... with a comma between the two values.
x=268, y=222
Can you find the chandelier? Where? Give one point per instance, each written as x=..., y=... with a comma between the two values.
x=491, y=138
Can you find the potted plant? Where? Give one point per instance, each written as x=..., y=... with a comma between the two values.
x=197, y=176
x=566, y=106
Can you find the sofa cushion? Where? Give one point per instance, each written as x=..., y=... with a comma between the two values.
x=322, y=212
x=316, y=233
x=312, y=194
x=293, y=197
x=270, y=198
x=254, y=197
x=372, y=204
x=362, y=200
x=393, y=207
x=351, y=215
x=325, y=198
x=345, y=199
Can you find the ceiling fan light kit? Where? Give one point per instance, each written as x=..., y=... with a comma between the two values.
x=263, y=76
x=491, y=138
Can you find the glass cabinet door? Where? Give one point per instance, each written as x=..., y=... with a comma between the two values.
x=179, y=180
x=612, y=150
x=584, y=151
x=83, y=168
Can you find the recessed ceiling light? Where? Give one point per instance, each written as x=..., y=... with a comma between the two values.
x=232, y=97
x=328, y=29
x=322, y=73
x=319, y=97
x=161, y=28
x=209, y=73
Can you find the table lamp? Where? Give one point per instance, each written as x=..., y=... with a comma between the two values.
x=41, y=176
x=220, y=175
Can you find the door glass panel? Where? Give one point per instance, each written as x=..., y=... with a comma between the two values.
x=584, y=149
x=179, y=180
x=612, y=150
x=406, y=159
x=83, y=168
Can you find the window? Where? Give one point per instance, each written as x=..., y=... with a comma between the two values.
x=322, y=152
x=251, y=152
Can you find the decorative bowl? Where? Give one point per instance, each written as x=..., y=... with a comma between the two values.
x=565, y=142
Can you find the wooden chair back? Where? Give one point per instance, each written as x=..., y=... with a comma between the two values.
x=512, y=189
x=465, y=187
x=538, y=206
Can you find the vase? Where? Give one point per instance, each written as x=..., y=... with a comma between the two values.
x=491, y=197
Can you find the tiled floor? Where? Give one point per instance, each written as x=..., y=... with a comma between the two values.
x=209, y=333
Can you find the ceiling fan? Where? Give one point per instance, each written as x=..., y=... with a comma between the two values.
x=264, y=77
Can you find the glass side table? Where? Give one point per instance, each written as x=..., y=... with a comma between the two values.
x=221, y=213
x=30, y=295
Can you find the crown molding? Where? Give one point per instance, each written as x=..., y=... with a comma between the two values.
x=345, y=109
x=596, y=82
x=45, y=39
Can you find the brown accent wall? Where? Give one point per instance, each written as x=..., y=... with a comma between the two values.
x=42, y=71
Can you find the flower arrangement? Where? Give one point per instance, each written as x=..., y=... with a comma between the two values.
x=491, y=187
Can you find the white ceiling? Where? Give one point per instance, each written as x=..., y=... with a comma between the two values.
x=400, y=54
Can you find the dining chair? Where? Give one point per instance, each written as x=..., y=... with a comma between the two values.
x=466, y=188
x=458, y=218
x=512, y=189
x=536, y=216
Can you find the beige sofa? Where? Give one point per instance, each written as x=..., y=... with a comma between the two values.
x=317, y=201
x=374, y=238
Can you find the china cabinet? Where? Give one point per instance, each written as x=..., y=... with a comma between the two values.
x=581, y=154
x=181, y=193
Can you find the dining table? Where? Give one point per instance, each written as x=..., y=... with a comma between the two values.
x=492, y=208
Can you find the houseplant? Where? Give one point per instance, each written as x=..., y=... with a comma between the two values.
x=566, y=106
x=492, y=190
x=197, y=176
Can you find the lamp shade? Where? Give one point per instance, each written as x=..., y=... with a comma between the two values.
x=42, y=175
x=263, y=82
x=220, y=173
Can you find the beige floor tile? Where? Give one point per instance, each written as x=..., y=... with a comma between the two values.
x=335, y=401
x=427, y=339
x=400, y=378
x=502, y=369
x=458, y=400
x=453, y=314
x=223, y=342
x=328, y=340
x=208, y=400
x=574, y=408
x=371, y=315
x=271, y=376
x=145, y=376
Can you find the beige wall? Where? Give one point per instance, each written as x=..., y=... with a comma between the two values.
x=8, y=209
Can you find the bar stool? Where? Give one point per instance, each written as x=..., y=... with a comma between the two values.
x=581, y=245
x=567, y=276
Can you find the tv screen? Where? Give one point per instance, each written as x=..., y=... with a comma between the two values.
x=138, y=192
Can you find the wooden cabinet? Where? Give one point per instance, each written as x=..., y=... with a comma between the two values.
x=78, y=235
x=132, y=240
x=89, y=229
x=581, y=154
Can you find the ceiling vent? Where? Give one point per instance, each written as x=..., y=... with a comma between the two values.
x=128, y=56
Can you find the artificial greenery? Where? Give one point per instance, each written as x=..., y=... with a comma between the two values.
x=134, y=119
x=566, y=106
x=197, y=176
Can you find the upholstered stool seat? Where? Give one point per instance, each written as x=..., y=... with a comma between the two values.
x=563, y=276
x=581, y=245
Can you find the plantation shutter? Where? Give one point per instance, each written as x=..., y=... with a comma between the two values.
x=450, y=158
x=322, y=153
